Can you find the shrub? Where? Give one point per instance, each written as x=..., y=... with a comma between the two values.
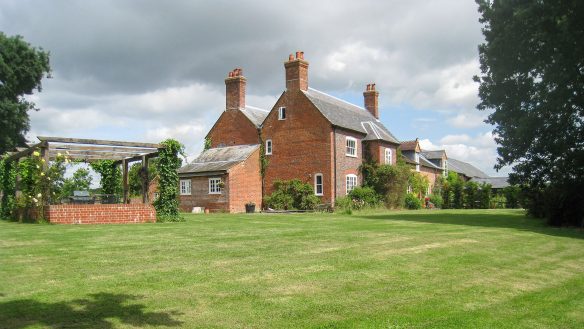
x=498, y=201
x=436, y=199
x=365, y=196
x=484, y=196
x=418, y=183
x=551, y=202
x=344, y=204
x=471, y=195
x=292, y=194
x=280, y=200
x=389, y=182
x=512, y=195
x=412, y=202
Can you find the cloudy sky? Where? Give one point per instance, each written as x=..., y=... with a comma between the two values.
x=149, y=70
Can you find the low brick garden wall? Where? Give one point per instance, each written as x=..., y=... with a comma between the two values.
x=100, y=213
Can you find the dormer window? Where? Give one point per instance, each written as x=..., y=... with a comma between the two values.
x=417, y=157
x=282, y=113
x=351, y=147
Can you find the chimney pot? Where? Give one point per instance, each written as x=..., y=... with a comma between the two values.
x=291, y=57
x=301, y=55
x=297, y=55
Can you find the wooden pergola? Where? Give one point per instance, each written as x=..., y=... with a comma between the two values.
x=89, y=150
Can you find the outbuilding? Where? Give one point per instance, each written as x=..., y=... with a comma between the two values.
x=222, y=179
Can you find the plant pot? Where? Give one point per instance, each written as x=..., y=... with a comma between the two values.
x=250, y=208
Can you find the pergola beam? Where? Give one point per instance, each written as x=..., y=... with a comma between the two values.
x=26, y=152
x=103, y=155
x=96, y=142
x=139, y=157
x=74, y=147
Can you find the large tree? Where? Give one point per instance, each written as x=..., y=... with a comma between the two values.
x=21, y=69
x=532, y=65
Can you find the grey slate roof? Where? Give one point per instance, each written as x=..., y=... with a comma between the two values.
x=438, y=154
x=425, y=162
x=218, y=159
x=496, y=182
x=255, y=114
x=465, y=168
x=349, y=116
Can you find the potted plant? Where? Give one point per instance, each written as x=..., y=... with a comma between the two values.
x=250, y=207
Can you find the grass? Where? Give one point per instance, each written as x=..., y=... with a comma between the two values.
x=414, y=269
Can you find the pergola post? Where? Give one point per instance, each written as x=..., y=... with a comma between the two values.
x=44, y=152
x=145, y=179
x=125, y=180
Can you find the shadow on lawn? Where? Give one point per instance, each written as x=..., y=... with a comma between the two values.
x=503, y=220
x=83, y=313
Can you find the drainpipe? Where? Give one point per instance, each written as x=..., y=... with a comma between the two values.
x=335, y=164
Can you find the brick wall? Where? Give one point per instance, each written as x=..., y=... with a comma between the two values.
x=431, y=173
x=376, y=150
x=245, y=184
x=301, y=144
x=346, y=164
x=233, y=128
x=100, y=213
x=200, y=196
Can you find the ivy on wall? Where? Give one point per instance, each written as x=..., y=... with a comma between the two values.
x=168, y=194
x=263, y=158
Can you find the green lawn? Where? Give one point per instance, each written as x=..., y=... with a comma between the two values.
x=412, y=269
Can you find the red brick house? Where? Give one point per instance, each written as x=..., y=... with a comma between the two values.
x=320, y=139
x=307, y=135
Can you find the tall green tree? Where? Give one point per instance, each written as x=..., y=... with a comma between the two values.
x=532, y=64
x=21, y=69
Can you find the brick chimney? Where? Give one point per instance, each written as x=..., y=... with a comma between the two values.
x=235, y=90
x=371, y=100
x=296, y=72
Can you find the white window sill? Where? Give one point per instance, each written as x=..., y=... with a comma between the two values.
x=350, y=155
x=214, y=192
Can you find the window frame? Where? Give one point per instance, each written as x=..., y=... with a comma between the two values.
x=316, y=184
x=269, y=149
x=388, y=150
x=445, y=168
x=282, y=113
x=186, y=187
x=347, y=140
x=351, y=176
x=218, y=189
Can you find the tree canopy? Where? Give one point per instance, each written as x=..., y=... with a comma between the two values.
x=532, y=65
x=21, y=69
